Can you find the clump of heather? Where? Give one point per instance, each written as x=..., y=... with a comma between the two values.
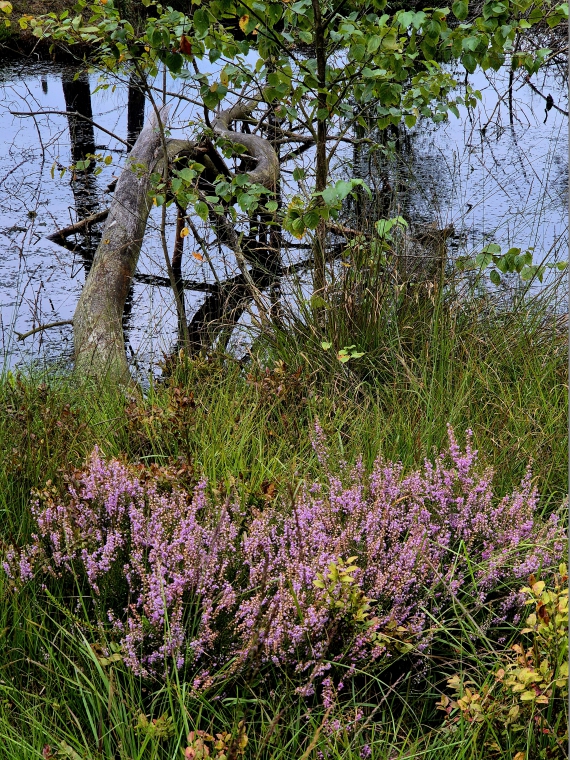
x=157, y=550
x=357, y=568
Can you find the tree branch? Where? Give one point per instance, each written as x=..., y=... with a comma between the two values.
x=75, y=115
x=23, y=336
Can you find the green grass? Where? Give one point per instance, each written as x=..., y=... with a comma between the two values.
x=502, y=375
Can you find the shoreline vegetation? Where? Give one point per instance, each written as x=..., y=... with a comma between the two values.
x=245, y=437
x=304, y=553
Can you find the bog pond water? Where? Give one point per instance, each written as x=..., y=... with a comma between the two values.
x=498, y=173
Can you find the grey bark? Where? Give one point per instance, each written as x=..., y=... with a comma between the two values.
x=97, y=322
x=266, y=172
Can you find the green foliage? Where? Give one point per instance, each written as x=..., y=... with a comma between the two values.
x=529, y=691
x=343, y=590
x=390, y=61
x=514, y=261
x=64, y=687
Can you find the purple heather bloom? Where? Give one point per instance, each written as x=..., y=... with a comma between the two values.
x=246, y=583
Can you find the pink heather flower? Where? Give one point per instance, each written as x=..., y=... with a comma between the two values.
x=190, y=581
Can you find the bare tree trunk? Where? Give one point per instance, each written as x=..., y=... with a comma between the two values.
x=97, y=323
x=177, y=271
x=98, y=333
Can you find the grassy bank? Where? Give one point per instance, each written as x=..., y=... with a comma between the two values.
x=248, y=429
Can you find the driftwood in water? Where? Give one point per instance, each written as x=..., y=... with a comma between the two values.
x=97, y=323
x=81, y=226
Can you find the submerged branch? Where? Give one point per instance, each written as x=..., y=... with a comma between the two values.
x=40, y=328
x=75, y=115
x=80, y=226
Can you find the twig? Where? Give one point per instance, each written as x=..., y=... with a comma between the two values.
x=340, y=229
x=71, y=113
x=23, y=336
x=544, y=97
x=78, y=226
x=234, y=242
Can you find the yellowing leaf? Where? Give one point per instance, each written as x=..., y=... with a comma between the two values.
x=243, y=22
x=197, y=255
x=528, y=696
x=224, y=78
x=5, y=7
x=184, y=231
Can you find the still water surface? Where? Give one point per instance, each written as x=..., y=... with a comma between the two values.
x=497, y=175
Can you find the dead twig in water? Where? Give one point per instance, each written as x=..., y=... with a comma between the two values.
x=79, y=226
x=23, y=336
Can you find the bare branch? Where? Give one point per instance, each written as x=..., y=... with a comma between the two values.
x=76, y=116
x=23, y=336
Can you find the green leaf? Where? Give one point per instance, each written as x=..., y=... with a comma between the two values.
x=174, y=62
x=202, y=210
x=312, y=219
x=201, y=22
x=325, y=344
x=329, y=196
x=483, y=260
x=460, y=9
x=495, y=277
x=470, y=62
x=373, y=43
x=343, y=189
x=211, y=99
x=528, y=696
x=272, y=206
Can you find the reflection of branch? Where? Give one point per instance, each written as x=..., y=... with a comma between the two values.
x=83, y=224
x=544, y=97
x=23, y=336
x=75, y=115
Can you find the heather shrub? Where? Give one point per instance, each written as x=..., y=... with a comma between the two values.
x=353, y=570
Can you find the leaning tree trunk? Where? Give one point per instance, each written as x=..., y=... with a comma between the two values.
x=97, y=323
